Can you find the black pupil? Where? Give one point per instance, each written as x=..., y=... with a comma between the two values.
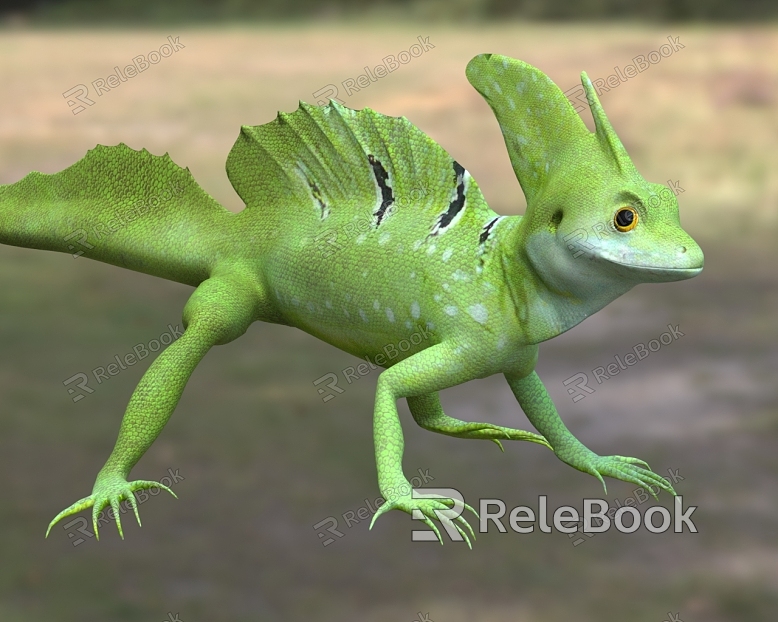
x=624, y=218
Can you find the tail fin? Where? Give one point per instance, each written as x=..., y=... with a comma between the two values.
x=120, y=206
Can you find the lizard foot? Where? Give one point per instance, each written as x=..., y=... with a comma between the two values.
x=487, y=431
x=631, y=470
x=430, y=507
x=109, y=490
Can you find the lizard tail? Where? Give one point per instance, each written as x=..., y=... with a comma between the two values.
x=120, y=206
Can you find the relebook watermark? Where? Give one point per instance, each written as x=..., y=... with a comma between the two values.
x=580, y=387
x=106, y=516
x=391, y=352
x=79, y=94
x=329, y=526
x=362, y=81
x=577, y=96
x=139, y=352
x=524, y=519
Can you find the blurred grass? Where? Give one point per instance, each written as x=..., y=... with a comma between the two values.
x=264, y=459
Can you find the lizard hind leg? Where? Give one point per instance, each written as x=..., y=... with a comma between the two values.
x=428, y=413
x=219, y=310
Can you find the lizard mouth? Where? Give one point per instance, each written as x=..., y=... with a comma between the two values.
x=659, y=273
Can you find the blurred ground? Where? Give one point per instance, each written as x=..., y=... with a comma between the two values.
x=264, y=459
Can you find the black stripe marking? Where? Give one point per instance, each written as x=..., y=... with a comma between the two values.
x=317, y=195
x=381, y=176
x=485, y=231
x=458, y=203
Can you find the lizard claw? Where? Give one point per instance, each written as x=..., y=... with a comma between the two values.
x=109, y=490
x=630, y=470
x=429, y=508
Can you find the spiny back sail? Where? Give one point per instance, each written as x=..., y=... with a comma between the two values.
x=333, y=163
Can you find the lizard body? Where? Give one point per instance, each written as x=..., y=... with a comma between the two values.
x=362, y=231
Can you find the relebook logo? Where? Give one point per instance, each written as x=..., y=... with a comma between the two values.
x=524, y=519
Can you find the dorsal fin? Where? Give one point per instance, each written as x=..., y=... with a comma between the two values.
x=333, y=157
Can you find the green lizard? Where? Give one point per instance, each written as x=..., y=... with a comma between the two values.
x=486, y=289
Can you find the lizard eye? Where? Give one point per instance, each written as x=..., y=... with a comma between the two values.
x=626, y=219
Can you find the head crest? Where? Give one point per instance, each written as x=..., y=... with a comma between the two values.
x=538, y=122
x=604, y=131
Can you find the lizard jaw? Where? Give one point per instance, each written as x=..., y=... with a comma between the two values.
x=658, y=273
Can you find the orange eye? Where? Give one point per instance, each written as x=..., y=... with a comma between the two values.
x=626, y=219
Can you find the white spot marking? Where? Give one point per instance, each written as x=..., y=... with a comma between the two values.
x=478, y=312
x=447, y=254
x=451, y=310
x=389, y=314
x=376, y=305
x=415, y=310
x=362, y=315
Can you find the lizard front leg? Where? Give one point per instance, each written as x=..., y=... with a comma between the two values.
x=428, y=371
x=540, y=410
x=428, y=413
x=219, y=311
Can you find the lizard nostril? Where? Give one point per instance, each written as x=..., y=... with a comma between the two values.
x=682, y=249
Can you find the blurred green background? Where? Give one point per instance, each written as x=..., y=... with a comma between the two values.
x=263, y=458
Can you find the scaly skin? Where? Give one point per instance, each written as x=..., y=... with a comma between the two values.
x=362, y=231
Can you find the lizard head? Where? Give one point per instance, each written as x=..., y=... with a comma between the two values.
x=592, y=221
